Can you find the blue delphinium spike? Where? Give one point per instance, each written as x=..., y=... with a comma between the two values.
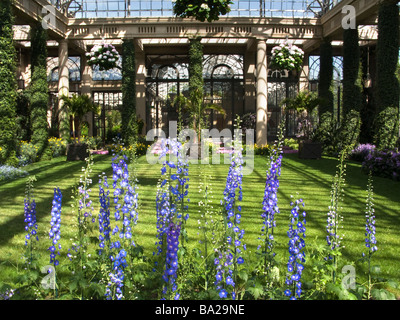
x=55, y=223
x=295, y=265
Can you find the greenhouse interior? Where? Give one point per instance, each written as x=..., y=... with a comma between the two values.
x=106, y=106
x=236, y=56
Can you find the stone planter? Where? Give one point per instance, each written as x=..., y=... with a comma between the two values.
x=310, y=150
x=77, y=151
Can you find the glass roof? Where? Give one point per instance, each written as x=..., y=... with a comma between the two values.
x=163, y=8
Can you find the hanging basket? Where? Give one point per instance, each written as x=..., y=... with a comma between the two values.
x=105, y=56
x=287, y=57
x=202, y=10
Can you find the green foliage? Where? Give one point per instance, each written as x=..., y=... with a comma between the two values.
x=196, y=82
x=387, y=128
x=8, y=86
x=326, y=132
x=349, y=131
x=325, y=77
x=197, y=109
x=129, y=128
x=39, y=46
x=23, y=120
x=78, y=106
x=38, y=90
x=38, y=93
x=352, y=89
x=202, y=10
x=387, y=84
x=304, y=103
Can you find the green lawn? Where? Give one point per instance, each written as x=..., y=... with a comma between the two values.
x=308, y=179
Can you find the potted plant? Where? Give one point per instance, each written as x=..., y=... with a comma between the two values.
x=305, y=103
x=105, y=56
x=78, y=106
x=287, y=56
x=201, y=10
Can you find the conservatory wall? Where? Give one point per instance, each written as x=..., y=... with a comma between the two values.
x=237, y=54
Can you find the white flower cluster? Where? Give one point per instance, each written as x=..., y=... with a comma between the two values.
x=287, y=56
x=105, y=56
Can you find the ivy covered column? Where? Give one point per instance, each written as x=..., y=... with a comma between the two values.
x=128, y=112
x=387, y=84
x=352, y=89
x=63, y=88
x=262, y=92
x=38, y=89
x=8, y=86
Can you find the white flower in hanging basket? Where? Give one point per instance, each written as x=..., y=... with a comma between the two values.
x=287, y=57
x=104, y=56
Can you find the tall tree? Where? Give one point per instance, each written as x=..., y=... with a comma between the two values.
x=8, y=86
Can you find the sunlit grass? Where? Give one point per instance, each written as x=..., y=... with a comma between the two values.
x=308, y=179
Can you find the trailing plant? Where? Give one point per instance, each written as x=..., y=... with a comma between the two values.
x=202, y=10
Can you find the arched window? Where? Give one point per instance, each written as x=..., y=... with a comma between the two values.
x=314, y=63
x=73, y=65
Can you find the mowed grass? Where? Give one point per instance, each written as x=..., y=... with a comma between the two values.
x=307, y=179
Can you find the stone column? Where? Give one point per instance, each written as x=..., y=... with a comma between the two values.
x=141, y=88
x=63, y=87
x=249, y=80
x=262, y=91
x=86, y=83
x=304, y=83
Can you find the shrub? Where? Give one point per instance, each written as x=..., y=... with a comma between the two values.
x=361, y=152
x=27, y=153
x=291, y=143
x=57, y=146
x=384, y=164
x=264, y=150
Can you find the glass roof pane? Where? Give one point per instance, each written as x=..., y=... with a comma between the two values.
x=163, y=8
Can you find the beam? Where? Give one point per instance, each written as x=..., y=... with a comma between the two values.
x=31, y=11
x=164, y=27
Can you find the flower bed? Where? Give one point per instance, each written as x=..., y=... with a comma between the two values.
x=8, y=173
x=384, y=164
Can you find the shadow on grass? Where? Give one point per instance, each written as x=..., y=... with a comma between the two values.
x=61, y=174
